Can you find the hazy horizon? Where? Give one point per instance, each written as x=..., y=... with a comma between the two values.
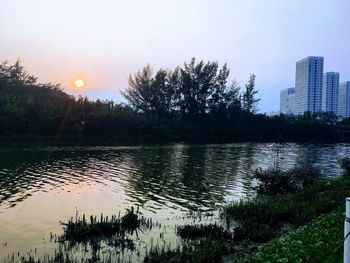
x=105, y=41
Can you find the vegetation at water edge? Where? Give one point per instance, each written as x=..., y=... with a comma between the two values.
x=319, y=241
x=192, y=102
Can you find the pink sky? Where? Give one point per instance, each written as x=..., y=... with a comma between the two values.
x=104, y=41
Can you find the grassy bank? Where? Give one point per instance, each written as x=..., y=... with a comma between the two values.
x=307, y=222
x=311, y=215
x=266, y=217
x=319, y=241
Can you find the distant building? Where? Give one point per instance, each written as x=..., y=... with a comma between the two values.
x=308, y=85
x=287, y=101
x=330, y=92
x=272, y=113
x=344, y=100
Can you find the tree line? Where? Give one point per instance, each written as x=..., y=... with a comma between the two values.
x=188, y=103
x=197, y=88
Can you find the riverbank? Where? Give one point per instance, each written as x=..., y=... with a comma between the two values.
x=304, y=222
x=319, y=241
x=210, y=174
x=313, y=234
x=145, y=140
x=266, y=217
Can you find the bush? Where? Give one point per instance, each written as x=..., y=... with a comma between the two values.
x=319, y=241
x=345, y=164
x=275, y=181
x=80, y=229
x=265, y=217
x=203, y=231
x=208, y=251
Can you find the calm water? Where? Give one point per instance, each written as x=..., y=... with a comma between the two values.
x=41, y=186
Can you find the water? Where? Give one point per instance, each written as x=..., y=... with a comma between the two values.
x=173, y=184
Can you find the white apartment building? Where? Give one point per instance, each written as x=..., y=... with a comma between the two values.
x=287, y=101
x=308, y=85
x=330, y=92
x=344, y=100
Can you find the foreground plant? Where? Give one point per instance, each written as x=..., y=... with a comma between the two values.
x=266, y=217
x=319, y=241
x=207, y=251
x=191, y=232
x=80, y=229
x=345, y=164
x=274, y=181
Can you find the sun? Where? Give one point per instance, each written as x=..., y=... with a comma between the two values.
x=79, y=83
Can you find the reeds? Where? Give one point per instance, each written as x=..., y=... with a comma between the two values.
x=82, y=229
x=273, y=181
x=207, y=251
x=264, y=217
x=192, y=232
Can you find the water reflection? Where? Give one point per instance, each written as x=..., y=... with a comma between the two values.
x=41, y=186
x=177, y=176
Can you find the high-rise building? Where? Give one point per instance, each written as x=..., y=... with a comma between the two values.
x=287, y=101
x=330, y=92
x=308, y=85
x=344, y=100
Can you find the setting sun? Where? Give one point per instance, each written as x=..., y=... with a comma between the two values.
x=79, y=83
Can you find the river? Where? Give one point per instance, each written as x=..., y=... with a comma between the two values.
x=173, y=184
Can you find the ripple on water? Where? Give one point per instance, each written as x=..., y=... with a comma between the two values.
x=40, y=186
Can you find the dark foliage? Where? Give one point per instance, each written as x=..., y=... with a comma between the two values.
x=345, y=164
x=192, y=102
x=263, y=218
x=321, y=240
x=208, y=251
x=203, y=231
x=81, y=230
x=275, y=181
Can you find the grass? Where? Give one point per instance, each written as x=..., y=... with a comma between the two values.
x=266, y=217
x=63, y=257
x=258, y=220
x=345, y=164
x=275, y=181
x=319, y=241
x=208, y=251
x=80, y=229
x=211, y=241
x=191, y=232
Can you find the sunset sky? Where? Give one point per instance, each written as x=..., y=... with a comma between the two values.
x=104, y=41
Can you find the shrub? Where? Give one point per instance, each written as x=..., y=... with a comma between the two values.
x=319, y=241
x=208, y=251
x=80, y=229
x=345, y=164
x=203, y=231
x=275, y=181
x=265, y=217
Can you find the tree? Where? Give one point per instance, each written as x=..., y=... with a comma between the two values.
x=152, y=94
x=164, y=87
x=218, y=99
x=198, y=84
x=249, y=96
x=233, y=96
x=139, y=93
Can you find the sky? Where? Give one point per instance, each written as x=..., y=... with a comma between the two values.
x=104, y=41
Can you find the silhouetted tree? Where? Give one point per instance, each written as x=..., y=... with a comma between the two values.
x=194, y=102
x=140, y=91
x=201, y=86
x=152, y=94
x=232, y=97
x=220, y=98
x=249, y=96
